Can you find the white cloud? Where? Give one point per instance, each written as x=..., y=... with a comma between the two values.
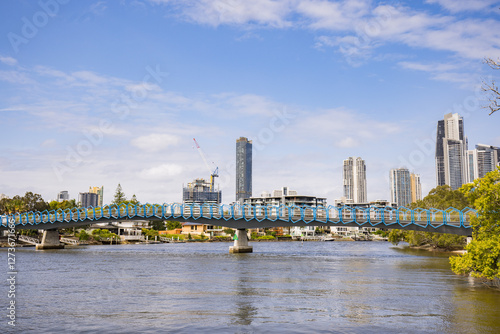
x=358, y=27
x=155, y=142
x=8, y=61
x=464, y=5
x=161, y=172
x=436, y=67
x=235, y=12
x=16, y=77
x=49, y=143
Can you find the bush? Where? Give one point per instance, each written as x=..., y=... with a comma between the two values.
x=222, y=238
x=229, y=231
x=266, y=237
x=83, y=235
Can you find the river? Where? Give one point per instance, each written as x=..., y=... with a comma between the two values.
x=283, y=287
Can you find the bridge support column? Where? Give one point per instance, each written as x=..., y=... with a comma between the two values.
x=50, y=240
x=241, y=242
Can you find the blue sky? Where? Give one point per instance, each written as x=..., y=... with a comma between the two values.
x=96, y=93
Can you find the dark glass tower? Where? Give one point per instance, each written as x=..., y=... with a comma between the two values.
x=243, y=169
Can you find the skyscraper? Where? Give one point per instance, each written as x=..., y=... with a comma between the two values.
x=354, y=175
x=99, y=192
x=416, y=187
x=63, y=196
x=400, y=186
x=482, y=160
x=88, y=200
x=243, y=169
x=451, y=149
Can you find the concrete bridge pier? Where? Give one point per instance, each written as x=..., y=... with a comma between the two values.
x=241, y=242
x=50, y=240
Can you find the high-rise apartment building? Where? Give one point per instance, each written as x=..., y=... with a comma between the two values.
x=63, y=196
x=243, y=169
x=99, y=191
x=405, y=187
x=88, y=200
x=482, y=160
x=416, y=187
x=400, y=186
x=451, y=152
x=354, y=176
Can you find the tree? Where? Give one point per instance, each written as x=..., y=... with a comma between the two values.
x=441, y=197
x=150, y=233
x=491, y=88
x=134, y=200
x=483, y=253
x=55, y=205
x=172, y=225
x=157, y=225
x=119, y=197
x=229, y=231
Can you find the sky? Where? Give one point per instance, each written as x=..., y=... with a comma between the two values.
x=101, y=93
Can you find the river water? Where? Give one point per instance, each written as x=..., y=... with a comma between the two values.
x=283, y=287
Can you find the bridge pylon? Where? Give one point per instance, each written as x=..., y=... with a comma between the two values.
x=241, y=242
x=50, y=240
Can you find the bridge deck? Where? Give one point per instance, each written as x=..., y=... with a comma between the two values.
x=235, y=216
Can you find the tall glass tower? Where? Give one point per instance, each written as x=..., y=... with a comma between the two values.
x=401, y=192
x=451, y=152
x=243, y=169
x=354, y=180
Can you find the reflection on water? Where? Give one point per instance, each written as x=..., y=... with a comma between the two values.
x=337, y=287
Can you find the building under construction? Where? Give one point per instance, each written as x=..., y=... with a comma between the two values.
x=200, y=192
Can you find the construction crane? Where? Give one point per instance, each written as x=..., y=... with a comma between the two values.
x=214, y=173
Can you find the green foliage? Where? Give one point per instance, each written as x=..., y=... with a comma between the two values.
x=29, y=233
x=254, y=235
x=266, y=237
x=271, y=233
x=29, y=202
x=150, y=233
x=103, y=234
x=483, y=253
x=157, y=225
x=190, y=237
x=203, y=236
x=382, y=233
x=229, y=231
x=396, y=236
x=222, y=238
x=441, y=198
x=134, y=200
x=55, y=205
x=119, y=197
x=172, y=225
x=435, y=240
x=175, y=236
x=83, y=235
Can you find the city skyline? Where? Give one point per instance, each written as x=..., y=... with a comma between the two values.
x=101, y=93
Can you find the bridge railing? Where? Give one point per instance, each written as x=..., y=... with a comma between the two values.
x=374, y=216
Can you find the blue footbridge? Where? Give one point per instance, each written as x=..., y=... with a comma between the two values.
x=242, y=217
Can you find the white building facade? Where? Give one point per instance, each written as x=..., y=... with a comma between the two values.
x=354, y=180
